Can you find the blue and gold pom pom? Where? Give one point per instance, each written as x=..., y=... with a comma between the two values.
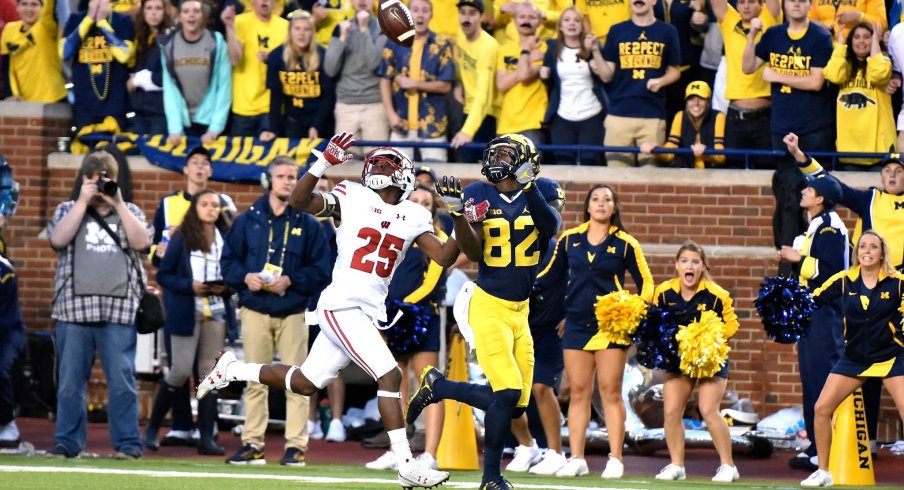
x=786, y=308
x=655, y=340
x=408, y=333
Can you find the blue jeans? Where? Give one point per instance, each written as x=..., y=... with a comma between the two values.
x=115, y=343
x=247, y=125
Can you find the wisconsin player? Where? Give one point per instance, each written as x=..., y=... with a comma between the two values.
x=378, y=226
x=502, y=225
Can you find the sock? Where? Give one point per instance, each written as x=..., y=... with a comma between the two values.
x=244, y=371
x=475, y=395
x=398, y=441
x=498, y=424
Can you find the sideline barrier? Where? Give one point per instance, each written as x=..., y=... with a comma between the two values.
x=850, y=461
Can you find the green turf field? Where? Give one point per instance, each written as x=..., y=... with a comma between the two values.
x=18, y=472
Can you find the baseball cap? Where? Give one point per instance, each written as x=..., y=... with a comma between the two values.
x=478, y=4
x=892, y=158
x=424, y=169
x=699, y=88
x=827, y=187
x=198, y=150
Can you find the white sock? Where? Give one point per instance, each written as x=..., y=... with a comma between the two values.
x=244, y=371
x=398, y=441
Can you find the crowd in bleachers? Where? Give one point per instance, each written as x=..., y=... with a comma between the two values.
x=645, y=74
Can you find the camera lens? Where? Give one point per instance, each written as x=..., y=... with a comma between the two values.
x=108, y=187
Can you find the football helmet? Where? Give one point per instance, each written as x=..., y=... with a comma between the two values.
x=401, y=174
x=506, y=154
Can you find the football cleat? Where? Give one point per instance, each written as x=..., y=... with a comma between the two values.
x=217, y=378
x=424, y=395
x=413, y=473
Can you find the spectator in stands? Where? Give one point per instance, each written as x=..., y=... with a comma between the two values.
x=863, y=111
x=13, y=337
x=414, y=85
x=302, y=95
x=686, y=296
x=817, y=255
x=250, y=37
x=145, y=83
x=445, y=19
x=841, y=17
x=193, y=287
x=801, y=103
x=599, y=17
x=749, y=109
x=167, y=218
x=280, y=7
x=690, y=20
x=637, y=111
x=276, y=258
x=421, y=282
x=698, y=127
x=327, y=15
x=31, y=63
x=505, y=30
x=576, y=94
x=524, y=97
x=197, y=78
x=588, y=354
x=352, y=58
x=475, y=57
x=97, y=290
x=99, y=42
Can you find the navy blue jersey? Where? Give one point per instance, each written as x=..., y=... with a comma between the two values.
x=798, y=111
x=640, y=54
x=547, y=305
x=511, y=245
x=417, y=279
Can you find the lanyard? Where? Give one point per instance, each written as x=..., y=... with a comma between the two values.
x=282, y=256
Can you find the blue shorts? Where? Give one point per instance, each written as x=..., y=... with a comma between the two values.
x=431, y=339
x=586, y=337
x=855, y=369
x=548, y=359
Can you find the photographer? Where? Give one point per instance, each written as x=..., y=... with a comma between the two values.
x=276, y=257
x=96, y=294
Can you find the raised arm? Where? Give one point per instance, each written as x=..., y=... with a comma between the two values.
x=304, y=197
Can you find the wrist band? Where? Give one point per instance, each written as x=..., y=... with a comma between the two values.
x=319, y=167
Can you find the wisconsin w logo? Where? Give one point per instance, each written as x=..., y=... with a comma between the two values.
x=384, y=224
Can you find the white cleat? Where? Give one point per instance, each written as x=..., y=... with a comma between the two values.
x=386, y=461
x=614, y=469
x=551, y=463
x=672, y=472
x=525, y=457
x=726, y=474
x=217, y=377
x=819, y=478
x=413, y=473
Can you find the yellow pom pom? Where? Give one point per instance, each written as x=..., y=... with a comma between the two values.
x=618, y=314
x=702, y=346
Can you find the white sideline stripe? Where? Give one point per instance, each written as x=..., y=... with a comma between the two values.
x=246, y=476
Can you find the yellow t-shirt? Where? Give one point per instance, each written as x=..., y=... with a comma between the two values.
x=523, y=105
x=279, y=6
x=124, y=6
x=603, y=14
x=34, y=72
x=734, y=34
x=336, y=12
x=250, y=96
x=476, y=64
x=445, y=19
x=506, y=30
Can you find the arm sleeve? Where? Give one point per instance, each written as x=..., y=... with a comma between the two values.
x=232, y=258
x=875, y=12
x=827, y=255
x=275, y=117
x=371, y=47
x=838, y=70
x=556, y=269
x=546, y=219
x=74, y=33
x=159, y=225
x=327, y=103
x=830, y=290
x=878, y=69
x=896, y=47
x=674, y=139
x=168, y=275
x=729, y=317
x=121, y=44
x=312, y=276
x=432, y=275
x=486, y=83
x=856, y=200
x=640, y=271
x=9, y=86
x=173, y=103
x=222, y=82
x=718, y=140
x=332, y=60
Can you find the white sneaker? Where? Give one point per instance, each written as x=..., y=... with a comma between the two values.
x=551, y=463
x=525, y=457
x=385, y=462
x=819, y=478
x=428, y=460
x=9, y=432
x=574, y=467
x=614, y=469
x=217, y=377
x=672, y=472
x=413, y=473
x=315, y=431
x=726, y=474
x=336, y=432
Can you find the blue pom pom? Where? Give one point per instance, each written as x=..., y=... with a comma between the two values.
x=410, y=331
x=786, y=309
x=655, y=340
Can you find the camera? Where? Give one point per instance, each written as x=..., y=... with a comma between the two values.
x=107, y=186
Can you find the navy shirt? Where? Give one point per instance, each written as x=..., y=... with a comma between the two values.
x=306, y=97
x=640, y=54
x=798, y=111
x=679, y=15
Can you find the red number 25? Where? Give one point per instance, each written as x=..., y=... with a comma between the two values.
x=387, y=248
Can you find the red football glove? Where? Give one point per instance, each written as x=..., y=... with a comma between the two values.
x=475, y=213
x=335, y=152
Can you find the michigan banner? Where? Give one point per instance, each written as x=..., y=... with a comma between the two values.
x=233, y=158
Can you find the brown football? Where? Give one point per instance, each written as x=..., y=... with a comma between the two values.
x=396, y=22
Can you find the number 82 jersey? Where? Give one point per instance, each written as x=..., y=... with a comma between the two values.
x=372, y=239
x=511, y=244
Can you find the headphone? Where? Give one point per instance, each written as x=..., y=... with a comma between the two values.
x=266, y=180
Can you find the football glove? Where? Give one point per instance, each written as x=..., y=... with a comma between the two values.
x=475, y=213
x=449, y=188
x=334, y=154
x=525, y=174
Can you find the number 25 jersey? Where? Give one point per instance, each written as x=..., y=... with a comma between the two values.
x=372, y=239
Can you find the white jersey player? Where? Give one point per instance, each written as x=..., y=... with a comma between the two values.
x=377, y=226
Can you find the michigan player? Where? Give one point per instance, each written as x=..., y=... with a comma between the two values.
x=502, y=225
x=378, y=226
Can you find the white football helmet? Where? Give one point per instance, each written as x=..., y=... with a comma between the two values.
x=400, y=173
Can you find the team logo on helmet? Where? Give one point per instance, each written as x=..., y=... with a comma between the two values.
x=400, y=171
x=506, y=155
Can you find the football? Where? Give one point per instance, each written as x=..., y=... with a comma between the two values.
x=396, y=22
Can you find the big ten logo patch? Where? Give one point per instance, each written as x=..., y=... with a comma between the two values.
x=300, y=85
x=94, y=49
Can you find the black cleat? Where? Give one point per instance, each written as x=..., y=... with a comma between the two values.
x=497, y=484
x=424, y=395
